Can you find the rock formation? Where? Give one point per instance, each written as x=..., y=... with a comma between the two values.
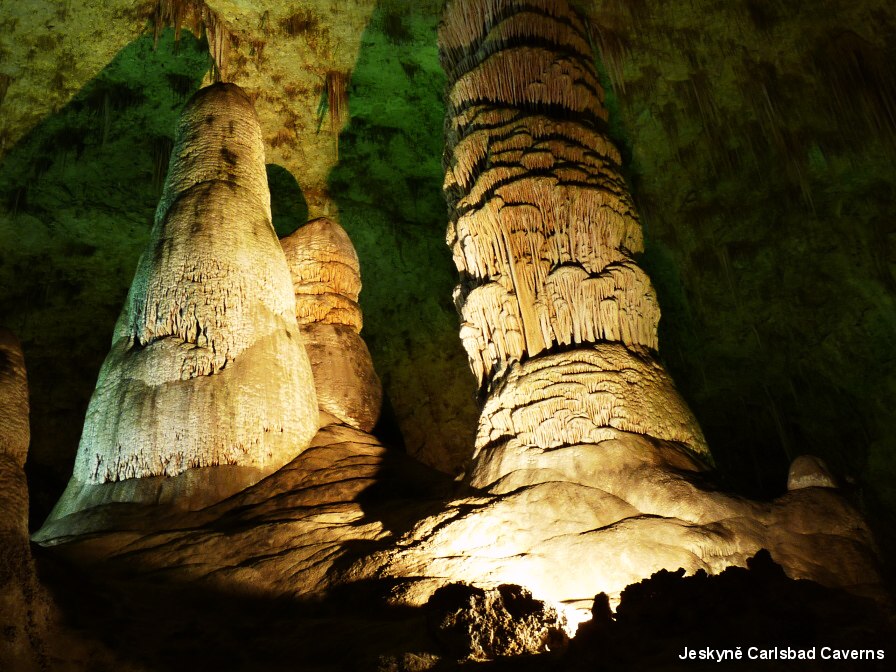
x=207, y=387
x=327, y=281
x=559, y=321
x=14, y=437
x=29, y=620
x=479, y=624
x=586, y=472
x=587, y=458
x=21, y=612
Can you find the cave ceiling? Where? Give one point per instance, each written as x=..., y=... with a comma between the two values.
x=758, y=138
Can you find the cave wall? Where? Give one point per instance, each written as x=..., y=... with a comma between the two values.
x=759, y=140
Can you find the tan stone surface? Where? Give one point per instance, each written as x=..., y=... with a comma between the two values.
x=346, y=383
x=588, y=461
x=281, y=536
x=543, y=229
x=326, y=274
x=326, y=278
x=562, y=529
x=808, y=471
x=583, y=396
x=207, y=367
x=567, y=531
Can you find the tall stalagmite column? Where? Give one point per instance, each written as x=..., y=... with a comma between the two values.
x=207, y=367
x=558, y=319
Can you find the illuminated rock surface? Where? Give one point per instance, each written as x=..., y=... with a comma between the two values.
x=327, y=281
x=586, y=457
x=545, y=235
x=208, y=387
x=587, y=460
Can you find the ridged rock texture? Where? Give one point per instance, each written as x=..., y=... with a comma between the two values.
x=558, y=320
x=207, y=380
x=585, y=476
x=586, y=455
x=326, y=278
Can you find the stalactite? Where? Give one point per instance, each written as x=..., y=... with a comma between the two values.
x=613, y=52
x=337, y=98
x=200, y=19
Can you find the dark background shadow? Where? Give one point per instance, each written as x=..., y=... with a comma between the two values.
x=289, y=210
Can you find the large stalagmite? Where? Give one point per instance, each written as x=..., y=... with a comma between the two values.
x=559, y=321
x=586, y=463
x=586, y=456
x=208, y=387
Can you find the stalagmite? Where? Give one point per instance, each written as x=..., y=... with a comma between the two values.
x=326, y=278
x=558, y=320
x=23, y=602
x=14, y=437
x=808, y=471
x=585, y=472
x=326, y=274
x=208, y=387
x=586, y=456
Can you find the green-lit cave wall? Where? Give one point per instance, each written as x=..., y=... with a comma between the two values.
x=759, y=137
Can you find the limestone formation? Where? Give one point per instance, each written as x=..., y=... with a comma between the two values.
x=479, y=624
x=207, y=367
x=808, y=471
x=586, y=454
x=24, y=605
x=326, y=278
x=14, y=437
x=326, y=274
x=545, y=235
x=585, y=472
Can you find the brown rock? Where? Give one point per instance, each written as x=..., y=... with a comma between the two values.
x=346, y=383
x=326, y=274
x=809, y=471
x=14, y=436
x=477, y=624
x=326, y=278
